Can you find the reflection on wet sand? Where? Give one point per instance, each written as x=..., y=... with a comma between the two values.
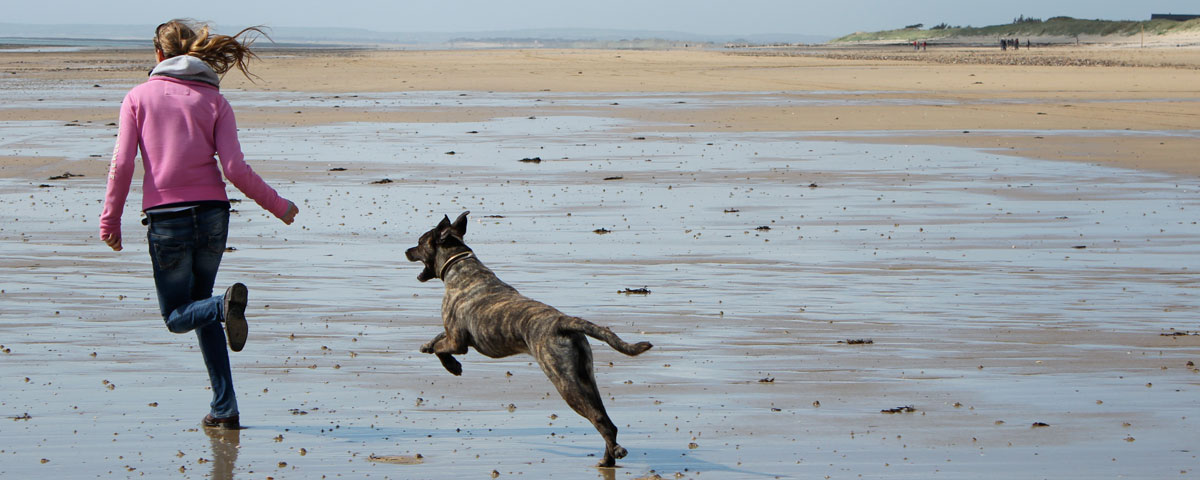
x=997, y=291
x=225, y=446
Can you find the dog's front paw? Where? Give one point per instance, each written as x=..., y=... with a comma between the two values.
x=450, y=363
x=428, y=347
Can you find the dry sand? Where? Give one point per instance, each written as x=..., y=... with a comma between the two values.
x=937, y=100
x=776, y=206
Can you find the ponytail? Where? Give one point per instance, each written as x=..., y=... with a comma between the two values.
x=221, y=52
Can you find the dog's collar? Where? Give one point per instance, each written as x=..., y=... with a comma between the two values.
x=451, y=260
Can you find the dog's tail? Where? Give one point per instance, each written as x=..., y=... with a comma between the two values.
x=604, y=334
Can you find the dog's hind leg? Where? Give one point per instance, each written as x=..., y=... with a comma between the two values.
x=567, y=361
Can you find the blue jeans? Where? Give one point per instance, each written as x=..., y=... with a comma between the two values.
x=185, y=250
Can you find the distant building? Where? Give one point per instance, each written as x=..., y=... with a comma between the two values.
x=1172, y=16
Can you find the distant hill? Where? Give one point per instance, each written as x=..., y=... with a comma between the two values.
x=1062, y=27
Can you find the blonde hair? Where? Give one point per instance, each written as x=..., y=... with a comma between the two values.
x=221, y=52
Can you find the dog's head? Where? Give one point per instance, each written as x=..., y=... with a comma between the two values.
x=438, y=244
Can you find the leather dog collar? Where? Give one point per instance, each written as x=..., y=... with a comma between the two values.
x=451, y=260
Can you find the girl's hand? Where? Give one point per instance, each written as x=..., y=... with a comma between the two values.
x=113, y=241
x=288, y=217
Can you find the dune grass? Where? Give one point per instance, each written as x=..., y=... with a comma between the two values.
x=1054, y=27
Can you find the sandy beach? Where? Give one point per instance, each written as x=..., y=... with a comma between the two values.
x=826, y=236
x=933, y=102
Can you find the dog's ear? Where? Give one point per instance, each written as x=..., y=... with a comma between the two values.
x=460, y=224
x=443, y=230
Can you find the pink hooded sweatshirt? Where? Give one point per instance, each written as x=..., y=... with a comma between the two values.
x=178, y=125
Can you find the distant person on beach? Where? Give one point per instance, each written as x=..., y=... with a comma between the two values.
x=179, y=120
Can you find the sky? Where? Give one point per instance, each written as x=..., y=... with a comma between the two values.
x=721, y=17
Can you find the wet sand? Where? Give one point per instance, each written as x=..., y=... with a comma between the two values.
x=1034, y=269
x=820, y=92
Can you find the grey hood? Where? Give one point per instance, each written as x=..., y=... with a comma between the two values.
x=187, y=67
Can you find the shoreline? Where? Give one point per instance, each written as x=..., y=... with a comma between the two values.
x=813, y=94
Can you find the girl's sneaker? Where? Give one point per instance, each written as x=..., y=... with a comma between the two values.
x=234, y=309
x=230, y=423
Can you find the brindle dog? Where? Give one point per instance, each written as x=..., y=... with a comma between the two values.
x=483, y=312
